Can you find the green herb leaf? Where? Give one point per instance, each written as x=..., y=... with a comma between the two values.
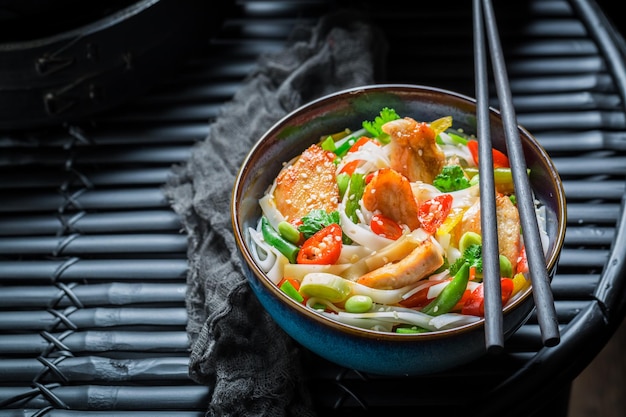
x=375, y=127
x=316, y=220
x=473, y=256
x=451, y=178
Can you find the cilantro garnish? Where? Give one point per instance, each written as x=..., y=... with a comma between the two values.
x=375, y=127
x=451, y=178
x=316, y=220
x=472, y=256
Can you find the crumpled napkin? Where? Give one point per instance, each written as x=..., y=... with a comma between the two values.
x=252, y=367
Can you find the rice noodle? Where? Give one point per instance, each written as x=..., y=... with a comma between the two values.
x=389, y=317
x=360, y=234
x=268, y=258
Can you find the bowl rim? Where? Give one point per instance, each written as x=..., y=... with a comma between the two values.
x=299, y=308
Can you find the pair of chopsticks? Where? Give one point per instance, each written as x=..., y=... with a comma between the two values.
x=542, y=293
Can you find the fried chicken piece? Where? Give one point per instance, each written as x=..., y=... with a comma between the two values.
x=414, y=152
x=421, y=262
x=509, y=226
x=390, y=193
x=308, y=184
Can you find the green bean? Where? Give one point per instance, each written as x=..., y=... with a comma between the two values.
x=288, y=288
x=357, y=186
x=451, y=294
x=274, y=238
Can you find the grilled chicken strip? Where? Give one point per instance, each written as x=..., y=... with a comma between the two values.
x=413, y=150
x=508, y=226
x=421, y=262
x=390, y=193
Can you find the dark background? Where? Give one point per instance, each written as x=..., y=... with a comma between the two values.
x=610, y=8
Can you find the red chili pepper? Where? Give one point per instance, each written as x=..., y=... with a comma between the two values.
x=323, y=248
x=350, y=167
x=522, y=262
x=475, y=304
x=500, y=160
x=386, y=227
x=362, y=141
x=433, y=212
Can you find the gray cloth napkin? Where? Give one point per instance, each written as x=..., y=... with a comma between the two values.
x=252, y=367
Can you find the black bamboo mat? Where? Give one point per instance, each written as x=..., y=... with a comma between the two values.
x=92, y=260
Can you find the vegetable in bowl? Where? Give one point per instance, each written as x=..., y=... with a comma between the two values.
x=379, y=227
x=349, y=311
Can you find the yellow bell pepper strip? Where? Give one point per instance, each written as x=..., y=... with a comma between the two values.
x=441, y=124
x=452, y=220
x=451, y=294
x=520, y=282
x=502, y=178
x=272, y=237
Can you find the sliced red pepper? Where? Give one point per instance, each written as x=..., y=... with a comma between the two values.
x=433, y=212
x=350, y=167
x=323, y=248
x=386, y=227
x=500, y=160
x=475, y=304
x=362, y=141
x=419, y=298
x=459, y=306
x=507, y=285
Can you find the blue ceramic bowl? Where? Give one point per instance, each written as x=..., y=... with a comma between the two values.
x=368, y=350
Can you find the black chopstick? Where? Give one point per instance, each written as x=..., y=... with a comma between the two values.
x=494, y=339
x=542, y=293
